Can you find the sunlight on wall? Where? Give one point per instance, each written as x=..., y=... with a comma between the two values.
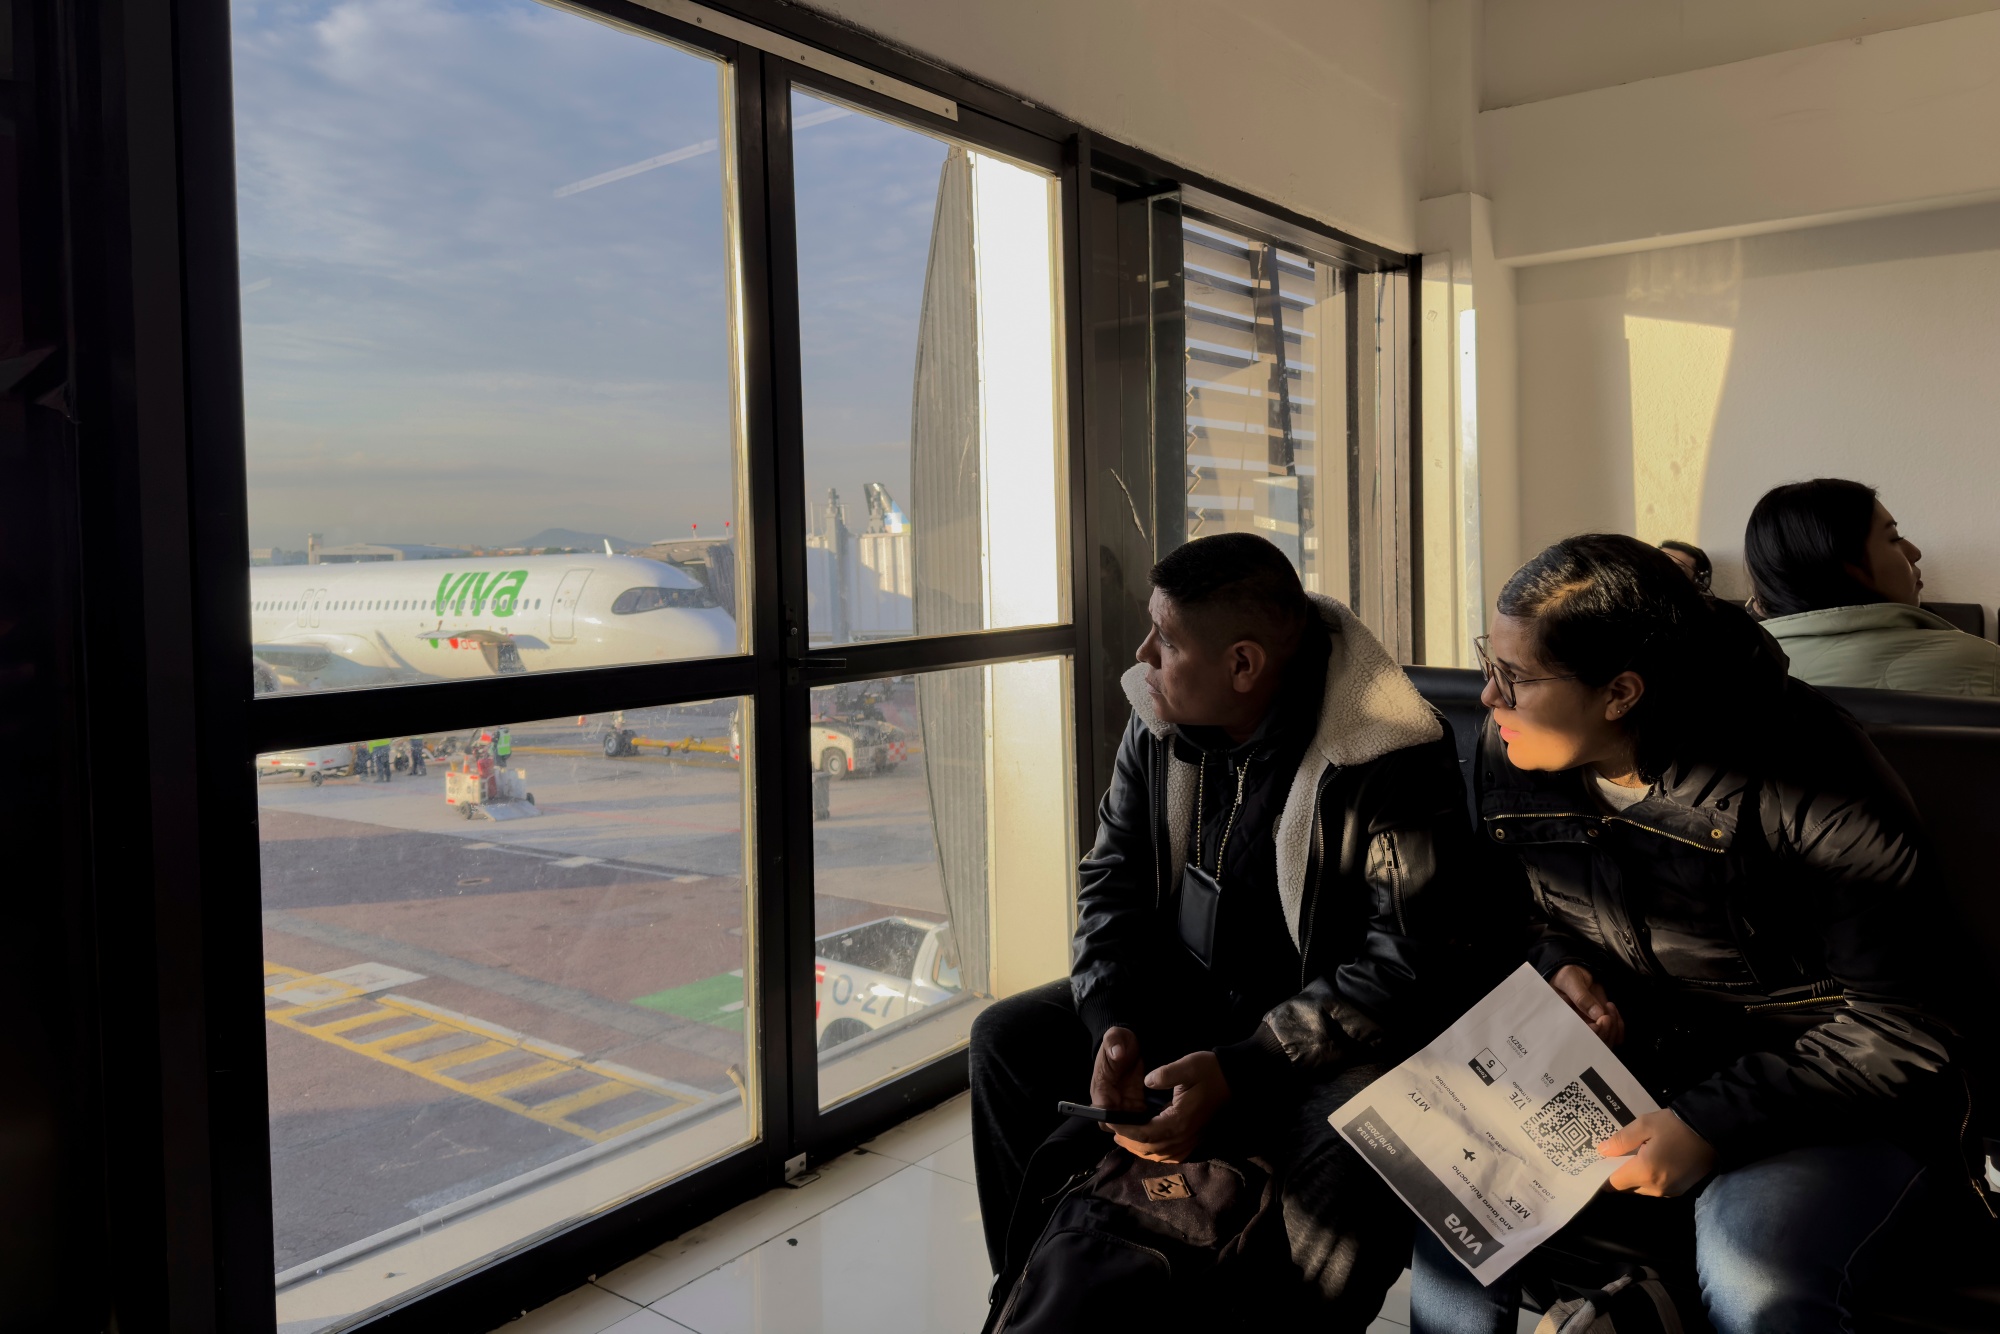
x=1031, y=848
x=1014, y=231
x=1678, y=370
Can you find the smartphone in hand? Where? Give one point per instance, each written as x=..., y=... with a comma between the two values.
x=1155, y=1104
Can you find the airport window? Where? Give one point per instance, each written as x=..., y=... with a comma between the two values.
x=494, y=372
x=942, y=859
x=500, y=990
x=489, y=326
x=929, y=352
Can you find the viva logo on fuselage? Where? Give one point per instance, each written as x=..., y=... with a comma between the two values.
x=498, y=592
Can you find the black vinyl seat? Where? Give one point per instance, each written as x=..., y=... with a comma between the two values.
x=1967, y=616
x=1947, y=751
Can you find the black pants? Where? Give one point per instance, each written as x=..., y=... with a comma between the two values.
x=1348, y=1234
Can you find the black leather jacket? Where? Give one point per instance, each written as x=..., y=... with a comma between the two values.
x=1760, y=925
x=1383, y=928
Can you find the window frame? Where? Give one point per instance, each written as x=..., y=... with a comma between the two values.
x=162, y=334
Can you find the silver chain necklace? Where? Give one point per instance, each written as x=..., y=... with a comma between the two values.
x=1200, y=783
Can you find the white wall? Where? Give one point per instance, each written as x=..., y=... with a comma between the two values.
x=1896, y=121
x=1537, y=49
x=1317, y=105
x=1868, y=350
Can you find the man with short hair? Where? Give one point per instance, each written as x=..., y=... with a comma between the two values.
x=1274, y=911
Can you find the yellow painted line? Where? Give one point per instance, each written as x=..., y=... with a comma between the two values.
x=526, y=1075
x=576, y=1102
x=462, y=1056
x=412, y=1037
x=556, y=1113
x=361, y=1020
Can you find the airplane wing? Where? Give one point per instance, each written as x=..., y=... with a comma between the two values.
x=497, y=648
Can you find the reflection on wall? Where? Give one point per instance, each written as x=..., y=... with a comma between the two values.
x=984, y=455
x=944, y=513
x=1678, y=370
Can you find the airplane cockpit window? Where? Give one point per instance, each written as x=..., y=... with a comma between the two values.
x=634, y=600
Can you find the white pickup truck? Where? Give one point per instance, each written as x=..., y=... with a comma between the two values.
x=877, y=973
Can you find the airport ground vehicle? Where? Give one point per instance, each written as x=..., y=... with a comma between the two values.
x=499, y=794
x=878, y=972
x=845, y=747
x=315, y=765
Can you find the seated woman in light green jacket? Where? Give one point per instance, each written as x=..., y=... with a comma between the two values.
x=1838, y=586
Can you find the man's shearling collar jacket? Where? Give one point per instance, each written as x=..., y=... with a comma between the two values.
x=1373, y=849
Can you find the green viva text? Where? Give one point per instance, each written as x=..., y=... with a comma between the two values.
x=502, y=589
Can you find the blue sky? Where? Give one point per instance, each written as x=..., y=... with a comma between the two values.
x=443, y=344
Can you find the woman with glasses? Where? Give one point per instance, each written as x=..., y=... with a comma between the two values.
x=1729, y=886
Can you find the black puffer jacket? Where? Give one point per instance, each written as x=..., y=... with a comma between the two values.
x=1372, y=851
x=1760, y=924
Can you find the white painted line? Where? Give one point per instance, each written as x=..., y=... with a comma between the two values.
x=577, y=861
x=349, y=983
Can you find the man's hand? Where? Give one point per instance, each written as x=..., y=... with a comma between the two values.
x=1668, y=1157
x=1199, y=1092
x=1574, y=984
x=1116, y=1081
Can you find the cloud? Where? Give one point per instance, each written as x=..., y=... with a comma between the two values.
x=485, y=322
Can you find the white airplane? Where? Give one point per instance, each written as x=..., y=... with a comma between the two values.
x=382, y=622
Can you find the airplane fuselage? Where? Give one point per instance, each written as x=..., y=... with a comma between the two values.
x=350, y=624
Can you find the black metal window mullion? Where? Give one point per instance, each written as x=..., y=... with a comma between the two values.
x=771, y=906
x=790, y=1027
x=284, y=721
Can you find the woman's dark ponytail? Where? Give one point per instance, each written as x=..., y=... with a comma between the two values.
x=1803, y=543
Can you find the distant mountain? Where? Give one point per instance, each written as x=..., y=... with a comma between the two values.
x=569, y=537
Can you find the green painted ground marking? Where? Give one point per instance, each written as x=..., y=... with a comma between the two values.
x=717, y=1001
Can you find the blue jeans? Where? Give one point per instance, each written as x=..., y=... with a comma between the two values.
x=1779, y=1246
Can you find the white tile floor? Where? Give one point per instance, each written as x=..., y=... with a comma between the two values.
x=886, y=1241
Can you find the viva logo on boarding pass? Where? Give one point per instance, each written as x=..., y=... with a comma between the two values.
x=1490, y=1133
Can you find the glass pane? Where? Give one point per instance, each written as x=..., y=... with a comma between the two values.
x=929, y=346
x=943, y=858
x=504, y=982
x=488, y=343
x=1267, y=403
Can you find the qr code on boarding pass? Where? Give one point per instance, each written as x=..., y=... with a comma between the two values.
x=1569, y=1127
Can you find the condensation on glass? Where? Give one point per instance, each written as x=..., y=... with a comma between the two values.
x=491, y=371
x=930, y=351
x=504, y=986
x=944, y=858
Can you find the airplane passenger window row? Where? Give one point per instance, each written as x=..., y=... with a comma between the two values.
x=666, y=597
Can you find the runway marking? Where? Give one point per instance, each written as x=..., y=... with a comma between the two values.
x=717, y=1001
x=330, y=1010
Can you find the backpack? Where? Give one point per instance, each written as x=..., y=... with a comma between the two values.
x=1122, y=1239
x=1636, y=1302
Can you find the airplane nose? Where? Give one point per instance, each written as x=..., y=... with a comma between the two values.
x=721, y=627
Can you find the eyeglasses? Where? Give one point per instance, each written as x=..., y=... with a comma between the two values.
x=1491, y=670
